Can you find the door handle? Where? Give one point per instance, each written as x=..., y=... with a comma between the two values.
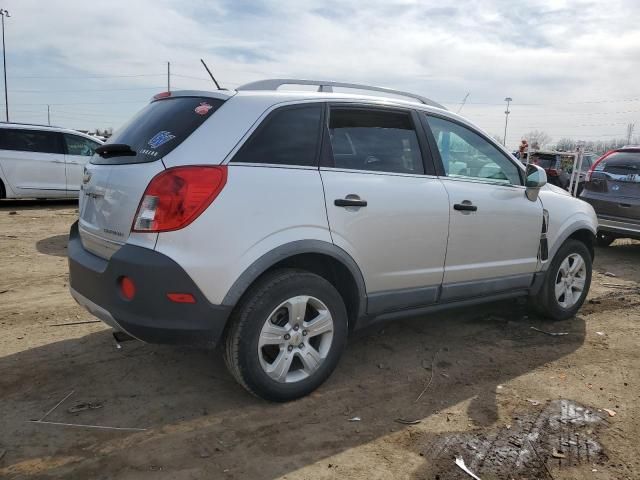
x=465, y=206
x=355, y=201
x=57, y=161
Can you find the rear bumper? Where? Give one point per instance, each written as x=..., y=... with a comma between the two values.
x=150, y=316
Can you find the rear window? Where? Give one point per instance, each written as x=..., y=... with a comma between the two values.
x=160, y=127
x=30, y=140
x=621, y=163
x=545, y=161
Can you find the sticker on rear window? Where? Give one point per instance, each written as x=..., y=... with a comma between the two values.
x=160, y=138
x=203, y=108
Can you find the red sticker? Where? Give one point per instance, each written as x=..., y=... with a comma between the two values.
x=203, y=108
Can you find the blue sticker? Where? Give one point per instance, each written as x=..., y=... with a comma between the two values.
x=160, y=138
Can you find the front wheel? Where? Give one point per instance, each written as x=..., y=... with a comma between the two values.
x=286, y=335
x=567, y=282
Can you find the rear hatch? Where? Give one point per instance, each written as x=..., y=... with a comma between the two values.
x=615, y=185
x=115, y=179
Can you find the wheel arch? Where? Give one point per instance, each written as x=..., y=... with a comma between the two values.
x=316, y=256
x=580, y=229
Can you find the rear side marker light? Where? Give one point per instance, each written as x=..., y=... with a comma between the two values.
x=181, y=297
x=127, y=288
x=177, y=196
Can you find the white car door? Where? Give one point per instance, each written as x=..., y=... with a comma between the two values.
x=494, y=231
x=383, y=209
x=33, y=162
x=78, y=152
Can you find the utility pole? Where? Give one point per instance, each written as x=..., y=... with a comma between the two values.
x=506, y=119
x=49, y=115
x=168, y=76
x=630, y=128
x=5, y=13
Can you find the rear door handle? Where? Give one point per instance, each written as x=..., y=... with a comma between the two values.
x=465, y=206
x=350, y=202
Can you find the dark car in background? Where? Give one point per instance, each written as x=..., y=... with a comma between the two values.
x=559, y=165
x=612, y=187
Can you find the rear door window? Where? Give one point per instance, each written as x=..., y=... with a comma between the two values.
x=77, y=145
x=24, y=140
x=288, y=136
x=160, y=127
x=374, y=140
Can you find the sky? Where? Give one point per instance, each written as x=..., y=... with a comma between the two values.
x=571, y=67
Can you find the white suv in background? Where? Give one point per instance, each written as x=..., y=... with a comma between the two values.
x=275, y=222
x=42, y=162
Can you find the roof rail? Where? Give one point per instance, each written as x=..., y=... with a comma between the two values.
x=327, y=86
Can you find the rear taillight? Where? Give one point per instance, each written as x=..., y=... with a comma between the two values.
x=587, y=177
x=176, y=197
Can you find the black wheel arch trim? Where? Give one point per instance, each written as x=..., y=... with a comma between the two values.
x=299, y=247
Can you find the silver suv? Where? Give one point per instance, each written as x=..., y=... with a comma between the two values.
x=275, y=222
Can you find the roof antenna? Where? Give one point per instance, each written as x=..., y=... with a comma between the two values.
x=211, y=75
x=464, y=101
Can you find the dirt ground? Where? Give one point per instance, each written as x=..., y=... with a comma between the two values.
x=510, y=401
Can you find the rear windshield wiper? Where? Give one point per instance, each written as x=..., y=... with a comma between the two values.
x=115, y=150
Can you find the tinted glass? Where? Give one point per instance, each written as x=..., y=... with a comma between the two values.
x=160, y=127
x=465, y=154
x=544, y=160
x=621, y=163
x=30, y=140
x=79, y=145
x=376, y=140
x=287, y=137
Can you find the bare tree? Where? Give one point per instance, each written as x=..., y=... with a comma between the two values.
x=537, y=139
x=497, y=137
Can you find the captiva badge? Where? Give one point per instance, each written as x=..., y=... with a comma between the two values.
x=203, y=108
x=160, y=138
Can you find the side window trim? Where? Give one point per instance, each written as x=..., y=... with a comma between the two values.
x=326, y=155
x=263, y=124
x=434, y=146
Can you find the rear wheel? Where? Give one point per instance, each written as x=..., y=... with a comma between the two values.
x=604, y=239
x=567, y=282
x=3, y=192
x=287, y=335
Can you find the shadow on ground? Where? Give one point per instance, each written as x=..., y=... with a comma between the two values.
x=55, y=245
x=37, y=204
x=200, y=423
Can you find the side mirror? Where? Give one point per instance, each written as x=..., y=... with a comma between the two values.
x=536, y=179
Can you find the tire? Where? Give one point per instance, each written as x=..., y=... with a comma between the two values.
x=604, y=239
x=555, y=303
x=3, y=192
x=298, y=355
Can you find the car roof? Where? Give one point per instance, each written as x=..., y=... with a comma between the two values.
x=51, y=128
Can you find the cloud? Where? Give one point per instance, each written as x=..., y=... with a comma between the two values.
x=550, y=52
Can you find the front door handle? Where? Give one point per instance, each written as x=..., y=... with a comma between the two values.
x=465, y=206
x=350, y=201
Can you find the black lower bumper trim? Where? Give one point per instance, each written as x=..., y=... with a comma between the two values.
x=150, y=316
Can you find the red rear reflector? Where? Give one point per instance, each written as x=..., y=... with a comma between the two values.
x=181, y=297
x=127, y=288
x=161, y=95
x=176, y=197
